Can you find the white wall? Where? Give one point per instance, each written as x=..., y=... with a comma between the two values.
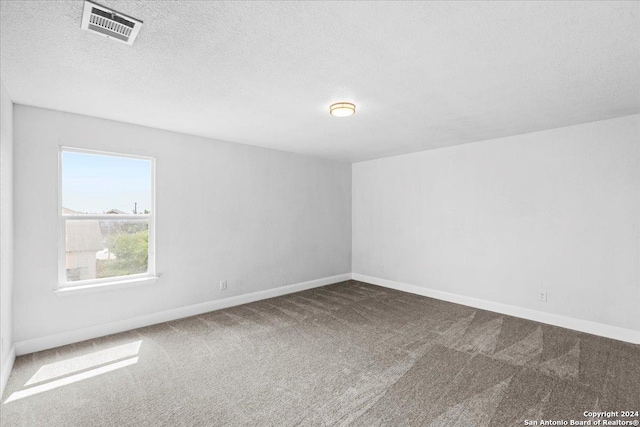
x=6, y=234
x=258, y=218
x=500, y=220
x=497, y=220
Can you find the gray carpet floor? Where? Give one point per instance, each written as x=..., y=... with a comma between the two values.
x=343, y=354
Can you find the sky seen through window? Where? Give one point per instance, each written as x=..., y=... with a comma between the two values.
x=97, y=184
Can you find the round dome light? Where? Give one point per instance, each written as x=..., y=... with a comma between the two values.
x=342, y=109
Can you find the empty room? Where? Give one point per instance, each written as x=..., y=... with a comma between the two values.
x=319, y=213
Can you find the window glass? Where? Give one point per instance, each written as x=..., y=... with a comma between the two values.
x=99, y=184
x=107, y=217
x=97, y=249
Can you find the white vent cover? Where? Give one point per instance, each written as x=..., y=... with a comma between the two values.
x=109, y=23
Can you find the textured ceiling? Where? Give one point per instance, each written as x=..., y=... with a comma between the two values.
x=423, y=75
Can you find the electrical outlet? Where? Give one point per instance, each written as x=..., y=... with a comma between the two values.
x=542, y=296
x=381, y=268
x=223, y=285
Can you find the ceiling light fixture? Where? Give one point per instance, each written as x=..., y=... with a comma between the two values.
x=342, y=109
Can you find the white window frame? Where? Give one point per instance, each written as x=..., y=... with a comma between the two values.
x=65, y=287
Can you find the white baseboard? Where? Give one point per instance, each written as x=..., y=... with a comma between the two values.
x=7, y=366
x=614, y=332
x=70, y=337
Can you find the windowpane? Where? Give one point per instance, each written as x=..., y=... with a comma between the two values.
x=107, y=216
x=99, y=184
x=97, y=249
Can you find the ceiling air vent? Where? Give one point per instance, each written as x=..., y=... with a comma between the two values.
x=109, y=23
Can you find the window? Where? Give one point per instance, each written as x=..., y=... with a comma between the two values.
x=106, y=218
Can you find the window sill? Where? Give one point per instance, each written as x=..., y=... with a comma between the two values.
x=101, y=287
